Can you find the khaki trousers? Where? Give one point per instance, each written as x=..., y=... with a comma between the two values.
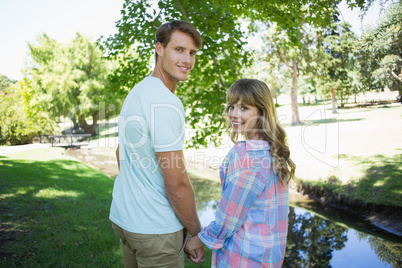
x=151, y=250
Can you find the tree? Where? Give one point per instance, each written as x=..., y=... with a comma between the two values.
x=20, y=120
x=5, y=82
x=298, y=58
x=223, y=57
x=379, y=54
x=69, y=80
x=338, y=62
x=307, y=86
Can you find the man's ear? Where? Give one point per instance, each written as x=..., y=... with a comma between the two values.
x=159, y=49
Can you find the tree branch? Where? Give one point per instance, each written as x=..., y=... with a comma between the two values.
x=182, y=10
x=283, y=58
x=219, y=73
x=395, y=76
x=230, y=63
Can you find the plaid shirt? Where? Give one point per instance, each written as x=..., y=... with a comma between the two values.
x=250, y=226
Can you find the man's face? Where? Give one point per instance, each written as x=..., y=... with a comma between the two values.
x=178, y=57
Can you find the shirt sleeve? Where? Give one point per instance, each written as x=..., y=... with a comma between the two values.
x=167, y=126
x=241, y=186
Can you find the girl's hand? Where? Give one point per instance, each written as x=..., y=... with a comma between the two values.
x=195, y=250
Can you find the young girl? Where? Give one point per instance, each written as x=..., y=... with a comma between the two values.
x=250, y=226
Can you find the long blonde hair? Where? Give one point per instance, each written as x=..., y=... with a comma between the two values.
x=256, y=93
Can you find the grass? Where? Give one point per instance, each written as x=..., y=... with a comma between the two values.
x=378, y=186
x=54, y=213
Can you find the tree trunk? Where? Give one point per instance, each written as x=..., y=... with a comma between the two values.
x=400, y=95
x=333, y=101
x=293, y=95
x=90, y=129
x=342, y=99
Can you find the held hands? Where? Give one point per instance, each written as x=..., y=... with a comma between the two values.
x=195, y=250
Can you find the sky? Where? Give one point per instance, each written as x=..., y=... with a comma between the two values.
x=21, y=21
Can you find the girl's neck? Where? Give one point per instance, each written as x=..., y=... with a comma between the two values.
x=254, y=136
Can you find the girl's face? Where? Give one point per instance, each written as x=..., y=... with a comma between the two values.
x=243, y=119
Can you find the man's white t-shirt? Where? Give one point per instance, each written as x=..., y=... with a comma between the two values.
x=151, y=120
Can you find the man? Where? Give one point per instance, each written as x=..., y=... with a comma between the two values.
x=153, y=203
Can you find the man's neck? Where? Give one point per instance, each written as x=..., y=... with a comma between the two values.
x=162, y=76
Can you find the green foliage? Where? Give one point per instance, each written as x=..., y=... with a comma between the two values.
x=338, y=61
x=379, y=54
x=69, y=80
x=5, y=82
x=291, y=16
x=20, y=121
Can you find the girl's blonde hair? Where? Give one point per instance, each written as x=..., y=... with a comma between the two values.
x=256, y=93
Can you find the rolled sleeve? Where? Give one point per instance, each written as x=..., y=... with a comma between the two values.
x=241, y=186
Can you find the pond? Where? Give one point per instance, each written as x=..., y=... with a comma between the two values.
x=325, y=237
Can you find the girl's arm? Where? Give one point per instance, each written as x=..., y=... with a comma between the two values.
x=241, y=187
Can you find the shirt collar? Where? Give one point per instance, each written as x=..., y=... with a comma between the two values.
x=255, y=145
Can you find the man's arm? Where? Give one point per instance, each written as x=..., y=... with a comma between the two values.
x=179, y=190
x=117, y=157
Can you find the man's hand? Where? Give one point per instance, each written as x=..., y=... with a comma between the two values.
x=195, y=250
x=197, y=256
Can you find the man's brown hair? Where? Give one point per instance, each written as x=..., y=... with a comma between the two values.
x=164, y=33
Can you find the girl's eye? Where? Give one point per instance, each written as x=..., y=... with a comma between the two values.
x=243, y=108
x=230, y=107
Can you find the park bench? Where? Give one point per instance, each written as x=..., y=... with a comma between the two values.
x=71, y=139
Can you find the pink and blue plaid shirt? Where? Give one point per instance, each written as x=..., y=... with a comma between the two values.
x=251, y=220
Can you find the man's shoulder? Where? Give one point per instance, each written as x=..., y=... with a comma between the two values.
x=155, y=91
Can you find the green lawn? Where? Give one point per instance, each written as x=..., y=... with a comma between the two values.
x=54, y=212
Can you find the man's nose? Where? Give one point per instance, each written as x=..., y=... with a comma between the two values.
x=186, y=57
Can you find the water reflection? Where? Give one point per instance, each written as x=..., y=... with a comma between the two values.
x=317, y=241
x=312, y=240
